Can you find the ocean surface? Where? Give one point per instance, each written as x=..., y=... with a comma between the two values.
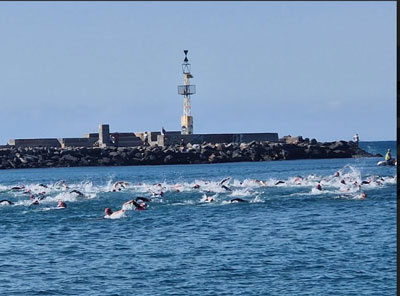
x=287, y=238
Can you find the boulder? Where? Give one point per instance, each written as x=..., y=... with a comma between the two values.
x=69, y=158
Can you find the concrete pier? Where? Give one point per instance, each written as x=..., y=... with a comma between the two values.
x=134, y=139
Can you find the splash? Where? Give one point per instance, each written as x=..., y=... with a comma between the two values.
x=347, y=182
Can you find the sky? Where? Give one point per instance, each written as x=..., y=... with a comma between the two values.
x=323, y=70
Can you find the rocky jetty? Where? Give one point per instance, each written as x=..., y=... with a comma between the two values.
x=286, y=149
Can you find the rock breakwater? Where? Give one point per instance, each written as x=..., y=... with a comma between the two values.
x=287, y=149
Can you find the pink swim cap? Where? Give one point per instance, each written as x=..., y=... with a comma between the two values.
x=61, y=204
x=108, y=211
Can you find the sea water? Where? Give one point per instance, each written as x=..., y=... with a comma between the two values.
x=288, y=238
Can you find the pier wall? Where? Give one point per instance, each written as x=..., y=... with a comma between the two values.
x=172, y=139
x=135, y=139
x=46, y=142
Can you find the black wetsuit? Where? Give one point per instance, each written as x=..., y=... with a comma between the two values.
x=6, y=201
x=226, y=188
x=138, y=206
x=17, y=188
x=238, y=200
x=223, y=181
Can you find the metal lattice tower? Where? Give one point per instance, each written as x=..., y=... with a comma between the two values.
x=186, y=90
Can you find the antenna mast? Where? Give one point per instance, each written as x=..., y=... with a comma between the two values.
x=186, y=90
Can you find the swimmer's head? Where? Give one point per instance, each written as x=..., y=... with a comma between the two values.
x=389, y=150
x=61, y=204
x=143, y=205
x=108, y=211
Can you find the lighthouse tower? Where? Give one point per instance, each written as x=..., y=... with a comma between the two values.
x=186, y=90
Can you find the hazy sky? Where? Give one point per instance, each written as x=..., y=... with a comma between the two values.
x=322, y=70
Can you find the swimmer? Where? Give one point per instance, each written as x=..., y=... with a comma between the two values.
x=196, y=186
x=337, y=174
x=35, y=203
x=113, y=215
x=42, y=196
x=77, y=192
x=143, y=199
x=6, y=202
x=279, y=182
x=362, y=195
x=207, y=198
x=62, y=183
x=343, y=181
x=16, y=188
x=159, y=185
x=226, y=188
x=237, y=200
x=262, y=183
x=318, y=187
x=138, y=207
x=119, y=185
x=298, y=180
x=61, y=205
x=42, y=185
x=160, y=194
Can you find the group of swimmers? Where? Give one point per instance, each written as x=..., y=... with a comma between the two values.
x=141, y=203
x=40, y=196
x=349, y=183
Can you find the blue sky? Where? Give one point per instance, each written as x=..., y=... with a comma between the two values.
x=322, y=70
